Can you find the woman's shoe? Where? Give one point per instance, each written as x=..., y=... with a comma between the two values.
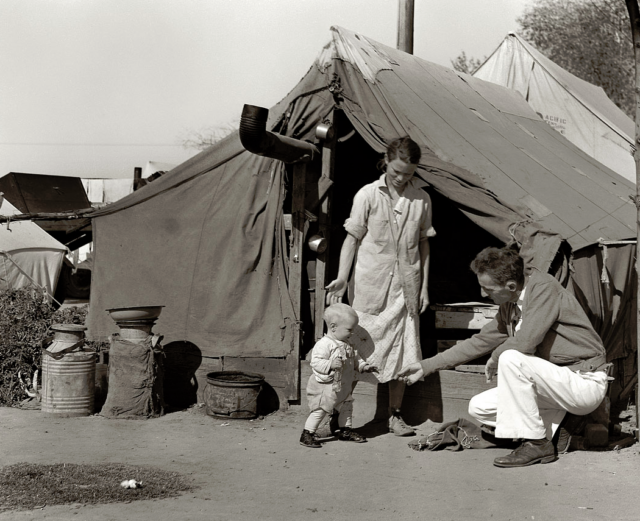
x=398, y=427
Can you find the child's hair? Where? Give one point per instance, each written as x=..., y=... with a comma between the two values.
x=405, y=149
x=339, y=311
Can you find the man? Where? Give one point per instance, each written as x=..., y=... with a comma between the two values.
x=548, y=357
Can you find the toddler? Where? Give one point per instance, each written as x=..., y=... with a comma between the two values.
x=334, y=363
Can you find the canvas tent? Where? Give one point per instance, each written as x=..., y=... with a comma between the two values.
x=28, y=254
x=209, y=239
x=580, y=111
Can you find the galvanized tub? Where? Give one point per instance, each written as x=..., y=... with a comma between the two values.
x=233, y=394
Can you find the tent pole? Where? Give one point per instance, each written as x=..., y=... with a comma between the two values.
x=405, y=25
x=295, y=277
x=634, y=17
x=324, y=228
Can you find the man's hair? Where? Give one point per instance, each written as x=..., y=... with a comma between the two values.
x=335, y=312
x=501, y=264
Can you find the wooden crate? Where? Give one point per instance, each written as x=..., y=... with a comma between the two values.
x=467, y=320
x=463, y=317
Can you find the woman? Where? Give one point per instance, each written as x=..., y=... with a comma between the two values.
x=388, y=232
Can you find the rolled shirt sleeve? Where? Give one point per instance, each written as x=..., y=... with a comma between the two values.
x=426, y=226
x=356, y=224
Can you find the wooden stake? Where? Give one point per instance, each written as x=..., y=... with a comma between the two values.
x=405, y=25
x=295, y=277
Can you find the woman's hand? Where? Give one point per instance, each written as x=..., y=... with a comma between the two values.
x=411, y=373
x=424, y=300
x=336, y=290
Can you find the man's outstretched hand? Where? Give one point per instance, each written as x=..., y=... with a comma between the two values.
x=490, y=369
x=411, y=373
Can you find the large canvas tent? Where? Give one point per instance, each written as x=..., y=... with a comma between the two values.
x=208, y=240
x=580, y=111
x=29, y=256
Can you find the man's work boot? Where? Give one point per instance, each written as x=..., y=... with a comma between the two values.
x=529, y=453
x=398, y=427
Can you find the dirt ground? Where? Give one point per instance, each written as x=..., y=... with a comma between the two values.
x=256, y=470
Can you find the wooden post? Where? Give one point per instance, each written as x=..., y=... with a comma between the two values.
x=295, y=277
x=634, y=17
x=324, y=227
x=137, y=176
x=405, y=25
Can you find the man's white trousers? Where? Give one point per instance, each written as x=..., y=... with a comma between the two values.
x=533, y=396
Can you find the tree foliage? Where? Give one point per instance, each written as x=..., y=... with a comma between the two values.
x=589, y=38
x=466, y=64
x=205, y=137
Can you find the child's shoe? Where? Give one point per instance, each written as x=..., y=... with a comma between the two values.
x=346, y=434
x=308, y=439
x=398, y=427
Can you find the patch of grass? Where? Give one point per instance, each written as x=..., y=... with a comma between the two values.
x=26, y=486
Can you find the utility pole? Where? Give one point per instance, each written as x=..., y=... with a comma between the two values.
x=634, y=18
x=405, y=25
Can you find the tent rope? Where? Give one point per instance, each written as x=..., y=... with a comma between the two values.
x=514, y=226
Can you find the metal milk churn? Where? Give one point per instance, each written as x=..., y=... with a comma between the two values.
x=68, y=372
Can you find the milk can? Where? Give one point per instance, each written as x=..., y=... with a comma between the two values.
x=68, y=372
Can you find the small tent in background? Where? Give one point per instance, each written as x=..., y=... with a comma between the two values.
x=210, y=239
x=577, y=109
x=28, y=254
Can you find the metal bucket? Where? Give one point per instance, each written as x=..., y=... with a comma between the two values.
x=68, y=384
x=233, y=394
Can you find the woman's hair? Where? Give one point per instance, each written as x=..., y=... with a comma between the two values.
x=405, y=149
x=501, y=264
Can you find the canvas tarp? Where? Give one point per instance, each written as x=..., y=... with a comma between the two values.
x=205, y=239
x=580, y=111
x=202, y=245
x=28, y=254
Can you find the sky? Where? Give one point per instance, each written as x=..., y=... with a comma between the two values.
x=95, y=88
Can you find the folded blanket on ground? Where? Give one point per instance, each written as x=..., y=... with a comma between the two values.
x=458, y=435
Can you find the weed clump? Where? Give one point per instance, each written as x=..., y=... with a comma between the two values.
x=25, y=317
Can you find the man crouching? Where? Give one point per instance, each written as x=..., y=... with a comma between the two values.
x=549, y=359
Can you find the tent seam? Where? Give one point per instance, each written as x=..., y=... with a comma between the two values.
x=507, y=140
